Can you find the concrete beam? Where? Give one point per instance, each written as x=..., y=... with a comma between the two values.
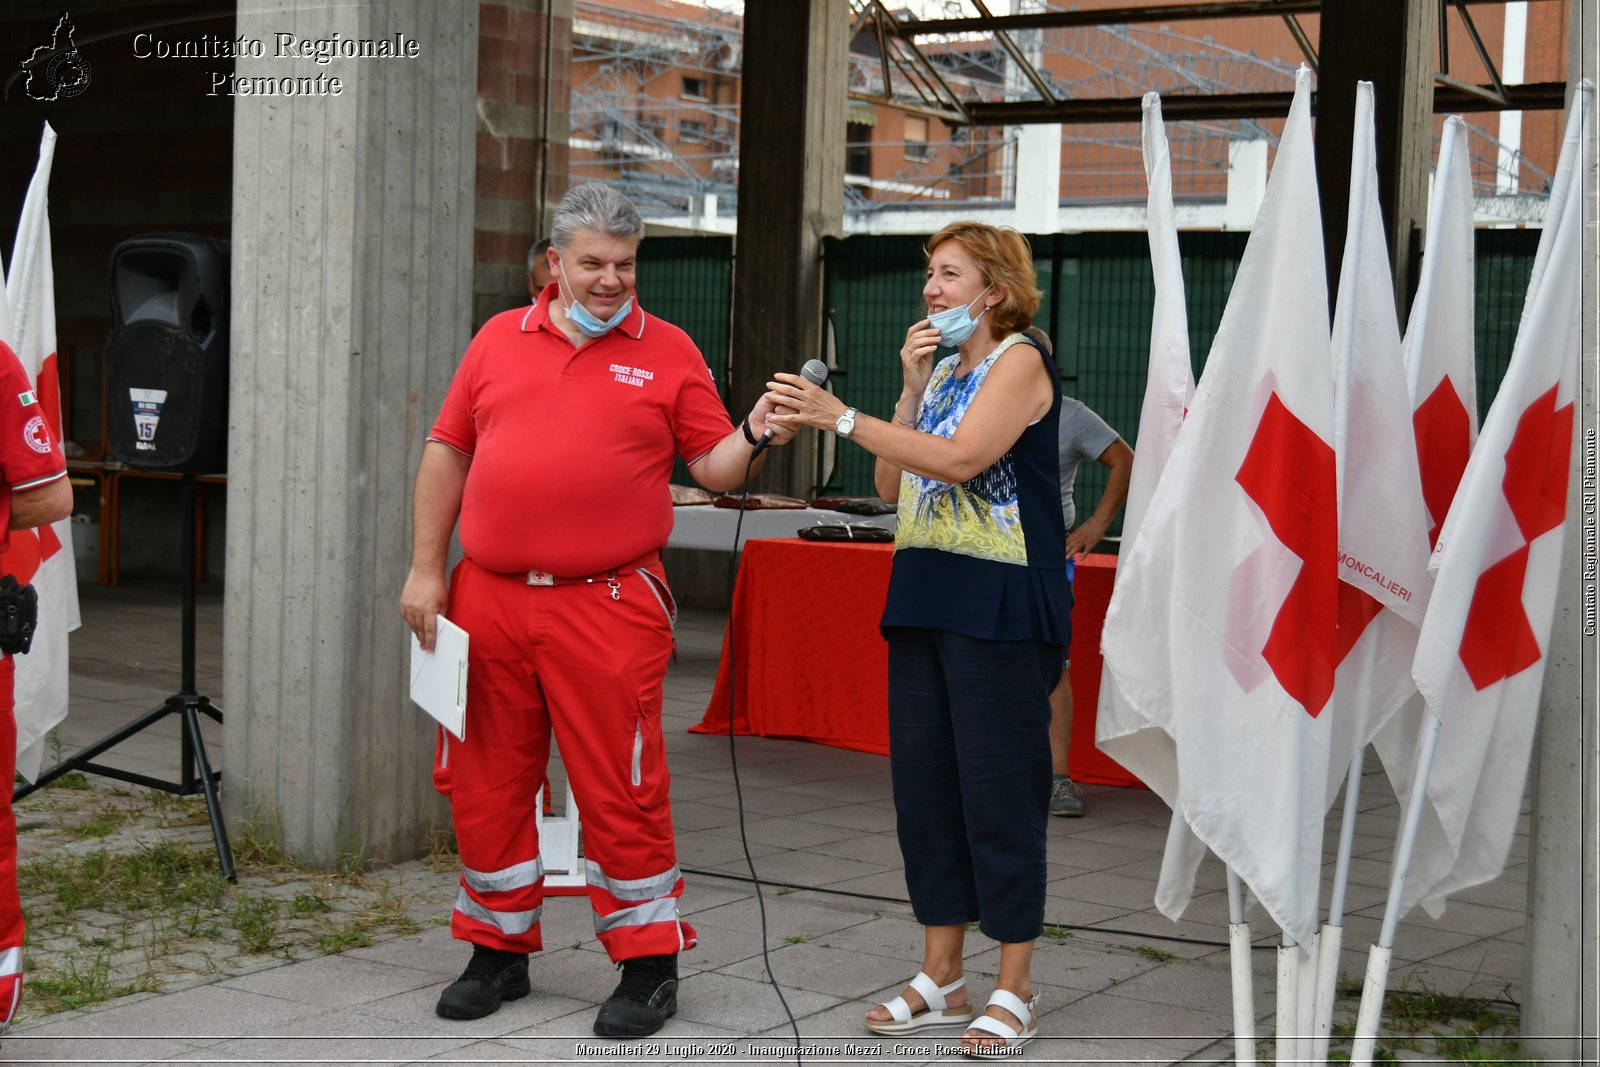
x=352, y=270
x=1394, y=45
x=791, y=195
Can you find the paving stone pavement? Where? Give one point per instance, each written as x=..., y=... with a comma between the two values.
x=1117, y=983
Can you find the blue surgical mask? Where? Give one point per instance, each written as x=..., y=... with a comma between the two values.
x=956, y=324
x=588, y=325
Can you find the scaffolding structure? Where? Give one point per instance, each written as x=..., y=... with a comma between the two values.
x=675, y=152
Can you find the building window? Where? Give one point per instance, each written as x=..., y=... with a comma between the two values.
x=692, y=130
x=858, y=150
x=917, y=138
x=694, y=88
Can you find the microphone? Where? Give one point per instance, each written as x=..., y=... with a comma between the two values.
x=816, y=372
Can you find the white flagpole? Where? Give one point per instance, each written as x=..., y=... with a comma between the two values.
x=1288, y=1043
x=1306, y=1009
x=1332, y=937
x=1377, y=980
x=1244, y=994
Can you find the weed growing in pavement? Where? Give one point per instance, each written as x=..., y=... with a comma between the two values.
x=104, y=820
x=256, y=919
x=345, y=937
x=259, y=842
x=1418, y=1018
x=442, y=856
x=145, y=903
x=71, y=780
x=1157, y=955
x=78, y=983
x=313, y=903
x=162, y=875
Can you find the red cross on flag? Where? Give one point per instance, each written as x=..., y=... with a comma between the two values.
x=1481, y=657
x=1440, y=381
x=42, y=556
x=1383, y=525
x=1221, y=631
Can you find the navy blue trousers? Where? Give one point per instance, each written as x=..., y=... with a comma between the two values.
x=969, y=752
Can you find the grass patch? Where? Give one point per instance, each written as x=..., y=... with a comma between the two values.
x=258, y=844
x=75, y=780
x=143, y=903
x=1056, y=933
x=166, y=875
x=1443, y=1026
x=105, y=820
x=256, y=919
x=345, y=937
x=309, y=904
x=78, y=984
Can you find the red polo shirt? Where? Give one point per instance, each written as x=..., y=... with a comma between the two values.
x=29, y=455
x=572, y=448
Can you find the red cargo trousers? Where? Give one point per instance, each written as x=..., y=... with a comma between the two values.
x=585, y=658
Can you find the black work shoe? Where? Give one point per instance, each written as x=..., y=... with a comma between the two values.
x=491, y=977
x=645, y=999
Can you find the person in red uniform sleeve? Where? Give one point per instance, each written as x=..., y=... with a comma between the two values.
x=553, y=449
x=35, y=491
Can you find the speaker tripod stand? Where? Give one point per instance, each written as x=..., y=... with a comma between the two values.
x=195, y=775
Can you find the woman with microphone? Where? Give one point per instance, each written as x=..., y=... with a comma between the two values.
x=977, y=618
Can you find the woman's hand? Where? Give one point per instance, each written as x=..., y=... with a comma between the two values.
x=916, y=356
x=762, y=423
x=798, y=403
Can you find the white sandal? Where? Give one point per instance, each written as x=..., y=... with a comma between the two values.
x=936, y=1012
x=988, y=1024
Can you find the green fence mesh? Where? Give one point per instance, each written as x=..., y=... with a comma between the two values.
x=1098, y=299
x=689, y=282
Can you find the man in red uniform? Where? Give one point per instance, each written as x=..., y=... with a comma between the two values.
x=35, y=490
x=554, y=448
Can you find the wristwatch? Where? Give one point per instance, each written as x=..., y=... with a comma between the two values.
x=846, y=424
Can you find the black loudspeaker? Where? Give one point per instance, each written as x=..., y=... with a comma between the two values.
x=167, y=356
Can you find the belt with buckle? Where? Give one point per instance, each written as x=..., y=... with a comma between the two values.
x=537, y=577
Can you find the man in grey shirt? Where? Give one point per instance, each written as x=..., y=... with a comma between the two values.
x=1084, y=435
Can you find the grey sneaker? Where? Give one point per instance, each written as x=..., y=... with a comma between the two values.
x=1064, y=797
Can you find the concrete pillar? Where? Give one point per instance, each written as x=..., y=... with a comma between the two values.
x=1039, y=178
x=1247, y=184
x=1394, y=45
x=1562, y=956
x=352, y=290
x=791, y=195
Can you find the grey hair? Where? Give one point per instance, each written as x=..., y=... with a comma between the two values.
x=598, y=209
x=536, y=251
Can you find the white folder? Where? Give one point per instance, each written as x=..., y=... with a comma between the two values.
x=439, y=678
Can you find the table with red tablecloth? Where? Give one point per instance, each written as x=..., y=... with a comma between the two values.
x=804, y=659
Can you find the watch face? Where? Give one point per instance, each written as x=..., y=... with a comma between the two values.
x=846, y=424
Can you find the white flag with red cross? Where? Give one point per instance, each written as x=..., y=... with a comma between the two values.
x=1383, y=525
x=1481, y=657
x=1169, y=379
x=42, y=556
x=1221, y=630
x=1441, y=384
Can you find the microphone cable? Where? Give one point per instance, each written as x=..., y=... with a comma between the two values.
x=733, y=757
